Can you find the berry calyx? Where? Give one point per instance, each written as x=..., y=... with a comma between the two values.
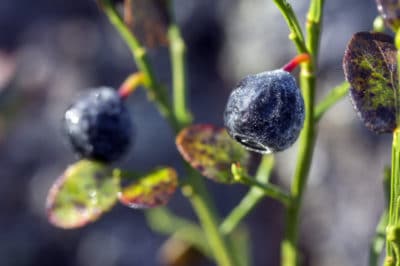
x=98, y=125
x=265, y=112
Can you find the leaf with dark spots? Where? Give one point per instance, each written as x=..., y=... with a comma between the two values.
x=86, y=190
x=211, y=151
x=370, y=67
x=390, y=12
x=152, y=190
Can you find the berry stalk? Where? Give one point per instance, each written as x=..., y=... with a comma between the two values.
x=297, y=60
x=130, y=84
x=268, y=189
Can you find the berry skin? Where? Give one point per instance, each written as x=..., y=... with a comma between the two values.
x=99, y=126
x=265, y=112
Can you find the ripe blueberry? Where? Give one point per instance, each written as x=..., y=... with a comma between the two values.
x=99, y=126
x=265, y=112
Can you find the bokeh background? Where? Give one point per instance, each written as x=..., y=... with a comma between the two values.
x=51, y=50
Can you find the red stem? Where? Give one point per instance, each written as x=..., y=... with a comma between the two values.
x=301, y=58
x=130, y=84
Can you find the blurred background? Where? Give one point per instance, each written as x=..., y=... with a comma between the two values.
x=51, y=50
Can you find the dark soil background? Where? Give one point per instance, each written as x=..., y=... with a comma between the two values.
x=51, y=50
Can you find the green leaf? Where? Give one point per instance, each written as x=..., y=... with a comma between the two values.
x=81, y=195
x=390, y=11
x=152, y=190
x=211, y=151
x=370, y=67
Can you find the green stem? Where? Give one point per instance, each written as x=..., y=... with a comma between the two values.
x=290, y=256
x=386, y=184
x=332, y=98
x=397, y=254
x=392, y=242
x=269, y=190
x=378, y=242
x=198, y=195
x=241, y=246
x=296, y=34
x=251, y=199
x=394, y=196
x=388, y=261
x=313, y=28
x=195, y=189
x=156, y=92
x=289, y=244
x=179, y=76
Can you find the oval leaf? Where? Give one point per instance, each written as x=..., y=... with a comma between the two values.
x=370, y=66
x=153, y=190
x=390, y=12
x=85, y=191
x=211, y=151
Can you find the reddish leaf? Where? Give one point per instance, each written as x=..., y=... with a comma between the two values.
x=370, y=66
x=211, y=151
x=152, y=190
x=85, y=191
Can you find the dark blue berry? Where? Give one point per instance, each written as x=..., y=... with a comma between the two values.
x=265, y=112
x=99, y=126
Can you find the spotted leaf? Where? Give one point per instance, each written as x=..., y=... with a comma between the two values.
x=85, y=191
x=211, y=151
x=390, y=12
x=370, y=66
x=152, y=190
